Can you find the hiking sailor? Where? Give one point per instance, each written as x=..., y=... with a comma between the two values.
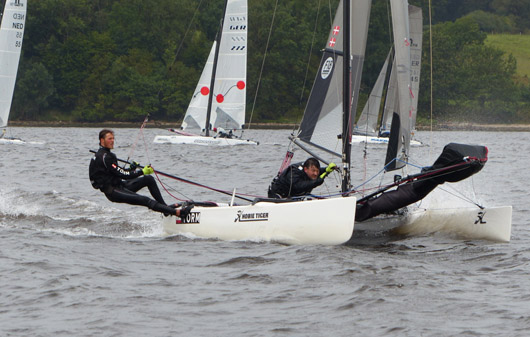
x=299, y=179
x=120, y=185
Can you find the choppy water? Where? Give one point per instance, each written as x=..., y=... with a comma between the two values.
x=74, y=264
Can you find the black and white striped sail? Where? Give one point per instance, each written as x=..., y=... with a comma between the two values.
x=229, y=89
x=322, y=124
x=11, y=35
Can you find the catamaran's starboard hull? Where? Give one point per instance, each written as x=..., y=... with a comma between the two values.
x=326, y=222
x=493, y=224
x=202, y=140
x=378, y=140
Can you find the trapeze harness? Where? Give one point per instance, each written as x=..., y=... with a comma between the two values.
x=120, y=185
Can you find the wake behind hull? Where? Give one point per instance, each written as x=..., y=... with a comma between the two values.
x=324, y=221
x=202, y=140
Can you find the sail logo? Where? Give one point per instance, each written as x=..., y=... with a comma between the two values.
x=246, y=217
x=17, y=3
x=327, y=67
x=193, y=217
x=480, y=217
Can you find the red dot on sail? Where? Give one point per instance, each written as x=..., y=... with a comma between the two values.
x=241, y=85
x=205, y=91
x=220, y=98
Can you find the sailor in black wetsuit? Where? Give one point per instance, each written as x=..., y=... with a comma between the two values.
x=120, y=185
x=299, y=179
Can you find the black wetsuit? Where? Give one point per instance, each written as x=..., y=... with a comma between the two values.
x=293, y=182
x=120, y=185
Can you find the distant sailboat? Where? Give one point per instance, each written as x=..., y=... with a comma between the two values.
x=11, y=36
x=219, y=101
x=367, y=128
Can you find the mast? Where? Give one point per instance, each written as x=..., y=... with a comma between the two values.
x=346, y=146
x=214, y=69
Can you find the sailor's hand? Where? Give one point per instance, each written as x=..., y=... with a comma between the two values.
x=331, y=167
x=134, y=165
x=328, y=170
x=147, y=170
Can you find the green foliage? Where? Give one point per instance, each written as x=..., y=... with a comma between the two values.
x=97, y=60
x=470, y=79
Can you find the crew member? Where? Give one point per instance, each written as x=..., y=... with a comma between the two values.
x=299, y=179
x=120, y=185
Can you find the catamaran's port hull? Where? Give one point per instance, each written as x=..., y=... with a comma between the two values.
x=323, y=221
x=202, y=140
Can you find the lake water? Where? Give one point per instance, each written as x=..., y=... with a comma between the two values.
x=74, y=264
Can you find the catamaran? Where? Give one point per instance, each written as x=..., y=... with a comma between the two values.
x=368, y=128
x=325, y=133
x=11, y=36
x=223, y=78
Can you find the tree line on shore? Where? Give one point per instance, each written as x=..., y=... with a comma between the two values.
x=119, y=60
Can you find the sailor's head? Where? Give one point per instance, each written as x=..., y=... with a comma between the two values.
x=311, y=168
x=106, y=138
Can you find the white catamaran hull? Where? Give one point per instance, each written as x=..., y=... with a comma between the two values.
x=494, y=224
x=378, y=140
x=324, y=221
x=11, y=141
x=491, y=223
x=202, y=140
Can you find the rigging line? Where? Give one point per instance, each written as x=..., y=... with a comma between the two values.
x=140, y=132
x=461, y=197
x=310, y=53
x=185, y=34
x=156, y=173
x=431, y=75
x=262, y=64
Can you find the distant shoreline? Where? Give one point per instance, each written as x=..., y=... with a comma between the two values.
x=260, y=126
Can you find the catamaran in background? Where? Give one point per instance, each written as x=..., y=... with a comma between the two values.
x=223, y=78
x=325, y=133
x=11, y=36
x=369, y=127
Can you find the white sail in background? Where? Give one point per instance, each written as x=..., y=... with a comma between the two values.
x=195, y=118
x=399, y=142
x=229, y=91
x=416, y=37
x=367, y=123
x=11, y=35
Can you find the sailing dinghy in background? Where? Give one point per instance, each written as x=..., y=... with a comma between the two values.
x=325, y=133
x=219, y=100
x=11, y=36
x=373, y=127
